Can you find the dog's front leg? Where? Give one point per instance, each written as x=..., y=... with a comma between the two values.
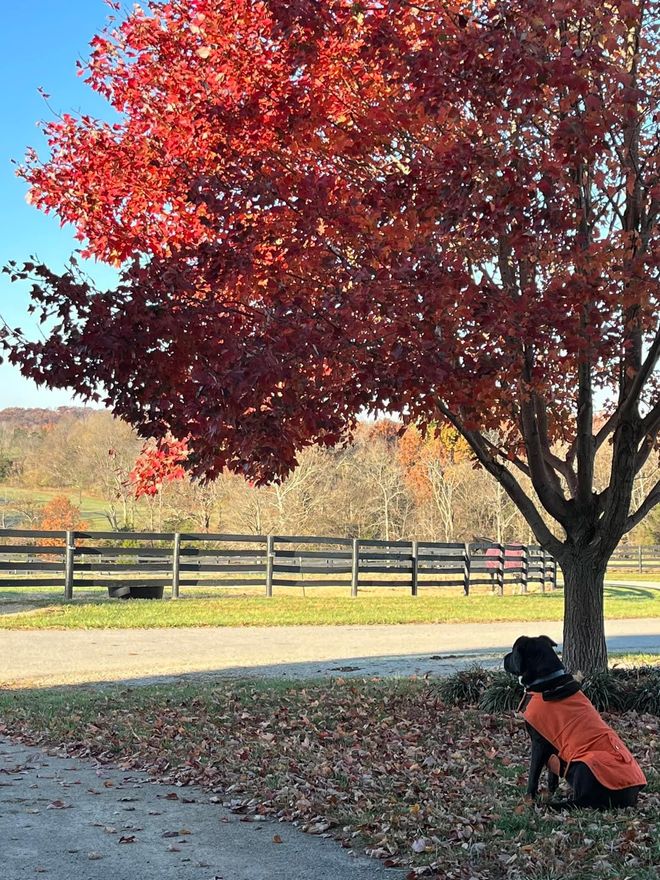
x=536, y=765
x=541, y=751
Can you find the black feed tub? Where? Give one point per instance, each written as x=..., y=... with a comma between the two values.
x=136, y=591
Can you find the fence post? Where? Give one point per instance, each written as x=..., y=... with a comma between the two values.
x=523, y=570
x=543, y=564
x=640, y=559
x=466, y=569
x=415, y=569
x=553, y=581
x=270, y=560
x=355, y=567
x=176, y=550
x=69, y=563
x=499, y=572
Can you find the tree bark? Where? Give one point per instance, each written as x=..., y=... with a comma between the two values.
x=585, y=649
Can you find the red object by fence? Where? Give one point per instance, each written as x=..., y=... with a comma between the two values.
x=513, y=555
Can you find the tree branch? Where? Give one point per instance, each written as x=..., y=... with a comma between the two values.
x=544, y=478
x=651, y=422
x=637, y=385
x=560, y=466
x=645, y=507
x=605, y=430
x=505, y=478
x=518, y=462
x=650, y=428
x=585, y=440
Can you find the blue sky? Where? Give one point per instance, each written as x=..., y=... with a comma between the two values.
x=40, y=41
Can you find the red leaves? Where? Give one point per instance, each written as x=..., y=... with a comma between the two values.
x=159, y=462
x=323, y=209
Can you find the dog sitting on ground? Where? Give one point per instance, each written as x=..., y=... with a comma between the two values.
x=567, y=733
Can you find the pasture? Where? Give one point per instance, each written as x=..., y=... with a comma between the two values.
x=245, y=607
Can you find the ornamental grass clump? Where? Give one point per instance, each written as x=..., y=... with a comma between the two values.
x=465, y=687
x=615, y=690
x=503, y=693
x=640, y=687
x=606, y=691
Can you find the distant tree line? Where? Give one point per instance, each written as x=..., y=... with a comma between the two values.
x=389, y=484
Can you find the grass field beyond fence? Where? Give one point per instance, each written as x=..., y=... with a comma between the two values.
x=240, y=609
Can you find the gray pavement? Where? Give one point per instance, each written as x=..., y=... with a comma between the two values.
x=60, y=657
x=66, y=819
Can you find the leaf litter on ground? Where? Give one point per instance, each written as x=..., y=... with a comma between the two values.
x=384, y=767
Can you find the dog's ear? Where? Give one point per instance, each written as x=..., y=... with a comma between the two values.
x=547, y=639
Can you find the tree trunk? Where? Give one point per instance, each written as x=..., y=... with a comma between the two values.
x=585, y=649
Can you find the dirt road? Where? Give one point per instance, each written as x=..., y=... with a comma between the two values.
x=55, y=657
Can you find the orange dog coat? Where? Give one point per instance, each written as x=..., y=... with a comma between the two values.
x=577, y=731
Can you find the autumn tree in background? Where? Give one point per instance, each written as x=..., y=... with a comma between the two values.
x=435, y=467
x=59, y=514
x=438, y=210
x=159, y=462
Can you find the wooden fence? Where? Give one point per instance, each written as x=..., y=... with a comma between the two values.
x=635, y=558
x=135, y=564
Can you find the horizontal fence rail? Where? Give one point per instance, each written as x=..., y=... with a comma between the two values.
x=642, y=558
x=135, y=564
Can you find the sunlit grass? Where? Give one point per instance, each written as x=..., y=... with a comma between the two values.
x=241, y=609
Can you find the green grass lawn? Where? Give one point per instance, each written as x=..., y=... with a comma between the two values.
x=382, y=766
x=240, y=609
x=618, y=658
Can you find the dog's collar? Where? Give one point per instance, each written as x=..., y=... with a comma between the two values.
x=557, y=674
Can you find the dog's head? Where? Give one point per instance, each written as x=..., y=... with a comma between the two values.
x=532, y=658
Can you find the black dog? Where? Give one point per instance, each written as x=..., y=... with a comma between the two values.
x=568, y=735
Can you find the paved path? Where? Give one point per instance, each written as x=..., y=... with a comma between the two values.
x=61, y=819
x=54, y=657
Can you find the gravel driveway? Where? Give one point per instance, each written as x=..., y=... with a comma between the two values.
x=55, y=657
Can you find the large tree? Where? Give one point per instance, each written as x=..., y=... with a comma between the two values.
x=445, y=210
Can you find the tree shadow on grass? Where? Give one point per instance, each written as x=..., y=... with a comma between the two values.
x=634, y=593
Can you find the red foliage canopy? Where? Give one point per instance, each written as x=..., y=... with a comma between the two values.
x=437, y=209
